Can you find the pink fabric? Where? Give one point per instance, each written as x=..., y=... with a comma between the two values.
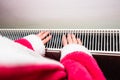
x=24, y=42
x=82, y=66
x=77, y=66
x=32, y=72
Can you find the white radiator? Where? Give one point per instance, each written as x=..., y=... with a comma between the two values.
x=98, y=41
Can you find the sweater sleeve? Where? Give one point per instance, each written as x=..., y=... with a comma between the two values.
x=20, y=63
x=34, y=43
x=80, y=65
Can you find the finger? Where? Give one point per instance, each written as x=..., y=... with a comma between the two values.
x=42, y=36
x=42, y=32
x=64, y=40
x=74, y=39
x=69, y=39
x=46, y=39
x=79, y=41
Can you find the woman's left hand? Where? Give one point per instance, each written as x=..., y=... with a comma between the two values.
x=44, y=36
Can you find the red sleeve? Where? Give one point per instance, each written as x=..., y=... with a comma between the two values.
x=33, y=42
x=81, y=66
x=25, y=43
x=33, y=72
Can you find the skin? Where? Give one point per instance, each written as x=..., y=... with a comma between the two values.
x=44, y=36
x=70, y=39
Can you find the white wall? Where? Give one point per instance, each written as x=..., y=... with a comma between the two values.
x=59, y=12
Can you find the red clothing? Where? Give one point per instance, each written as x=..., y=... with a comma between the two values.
x=76, y=65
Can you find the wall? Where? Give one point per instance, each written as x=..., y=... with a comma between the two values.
x=60, y=12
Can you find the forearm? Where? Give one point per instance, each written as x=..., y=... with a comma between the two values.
x=33, y=42
x=80, y=62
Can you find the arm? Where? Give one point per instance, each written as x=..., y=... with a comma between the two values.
x=35, y=42
x=78, y=62
x=20, y=63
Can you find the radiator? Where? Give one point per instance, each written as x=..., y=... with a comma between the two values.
x=98, y=41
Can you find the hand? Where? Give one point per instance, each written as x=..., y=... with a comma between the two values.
x=70, y=39
x=44, y=36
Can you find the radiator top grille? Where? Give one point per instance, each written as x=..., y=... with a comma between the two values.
x=94, y=40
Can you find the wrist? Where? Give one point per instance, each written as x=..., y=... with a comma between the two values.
x=36, y=43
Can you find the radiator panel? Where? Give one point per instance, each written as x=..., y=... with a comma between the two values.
x=95, y=40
